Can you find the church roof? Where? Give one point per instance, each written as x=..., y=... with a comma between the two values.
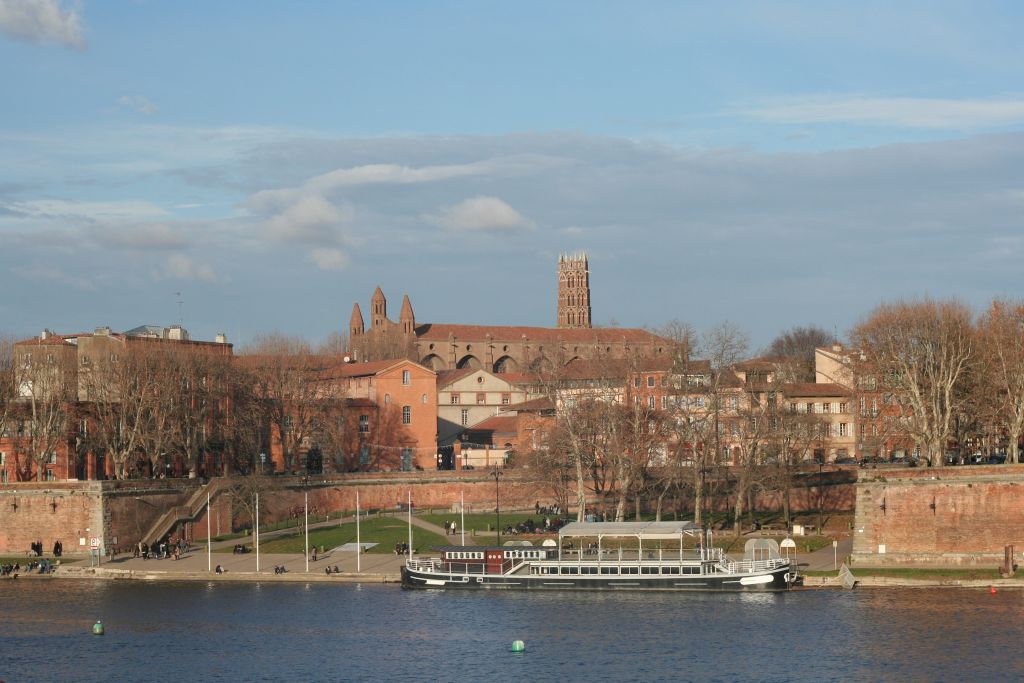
x=592, y=335
x=406, y=313
x=357, y=317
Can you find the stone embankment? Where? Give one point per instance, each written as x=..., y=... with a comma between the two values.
x=155, y=575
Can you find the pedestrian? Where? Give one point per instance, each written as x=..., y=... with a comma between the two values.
x=454, y=526
x=314, y=553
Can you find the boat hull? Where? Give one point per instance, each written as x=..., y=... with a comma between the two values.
x=775, y=580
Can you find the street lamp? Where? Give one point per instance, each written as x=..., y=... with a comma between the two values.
x=497, y=504
x=305, y=511
x=821, y=465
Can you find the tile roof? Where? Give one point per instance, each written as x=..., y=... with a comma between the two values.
x=814, y=389
x=531, y=406
x=446, y=377
x=503, y=424
x=602, y=335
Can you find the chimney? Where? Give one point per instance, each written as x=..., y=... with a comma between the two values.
x=221, y=338
x=102, y=331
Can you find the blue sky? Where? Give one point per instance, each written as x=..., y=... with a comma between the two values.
x=771, y=164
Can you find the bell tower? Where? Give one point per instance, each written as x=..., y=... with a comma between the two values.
x=573, y=291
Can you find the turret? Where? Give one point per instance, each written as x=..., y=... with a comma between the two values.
x=406, y=317
x=355, y=323
x=379, y=308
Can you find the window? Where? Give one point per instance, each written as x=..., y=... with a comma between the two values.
x=51, y=458
x=636, y=382
x=481, y=399
x=843, y=429
x=506, y=399
x=405, y=376
x=664, y=402
x=50, y=476
x=406, y=459
x=650, y=402
x=406, y=415
x=364, y=424
x=826, y=407
x=387, y=398
x=3, y=476
x=424, y=398
x=364, y=456
x=455, y=399
x=3, y=458
x=842, y=407
x=650, y=380
x=465, y=417
x=83, y=427
x=810, y=407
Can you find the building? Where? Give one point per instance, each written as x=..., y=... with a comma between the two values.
x=502, y=348
x=467, y=397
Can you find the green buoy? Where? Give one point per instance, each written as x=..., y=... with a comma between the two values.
x=97, y=628
x=518, y=646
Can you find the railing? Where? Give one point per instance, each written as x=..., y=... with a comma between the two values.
x=188, y=510
x=749, y=566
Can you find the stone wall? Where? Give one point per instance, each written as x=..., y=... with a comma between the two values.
x=949, y=516
x=49, y=512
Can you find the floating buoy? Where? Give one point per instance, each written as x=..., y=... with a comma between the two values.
x=992, y=589
x=518, y=646
x=97, y=628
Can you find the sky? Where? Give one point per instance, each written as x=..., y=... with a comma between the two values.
x=257, y=167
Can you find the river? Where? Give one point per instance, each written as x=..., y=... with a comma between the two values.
x=316, y=632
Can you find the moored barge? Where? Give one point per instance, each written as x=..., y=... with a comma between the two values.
x=667, y=556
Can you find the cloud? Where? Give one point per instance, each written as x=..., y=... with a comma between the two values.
x=908, y=112
x=328, y=259
x=310, y=219
x=65, y=210
x=42, y=21
x=139, y=236
x=184, y=268
x=479, y=214
x=372, y=174
x=139, y=103
x=49, y=273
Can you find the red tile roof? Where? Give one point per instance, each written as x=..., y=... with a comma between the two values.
x=602, y=335
x=446, y=377
x=501, y=424
x=814, y=389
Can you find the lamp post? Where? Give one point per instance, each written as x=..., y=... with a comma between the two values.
x=497, y=503
x=305, y=512
x=821, y=465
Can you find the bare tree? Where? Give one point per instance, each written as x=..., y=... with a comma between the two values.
x=922, y=353
x=798, y=344
x=45, y=396
x=1001, y=337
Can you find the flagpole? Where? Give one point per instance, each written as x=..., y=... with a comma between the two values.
x=306, y=511
x=410, y=527
x=359, y=546
x=462, y=507
x=209, y=537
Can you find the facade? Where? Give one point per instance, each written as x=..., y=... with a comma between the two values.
x=502, y=348
x=468, y=397
x=391, y=415
x=60, y=382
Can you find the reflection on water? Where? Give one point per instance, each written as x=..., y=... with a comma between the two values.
x=220, y=631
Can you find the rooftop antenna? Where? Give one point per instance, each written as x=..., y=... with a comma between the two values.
x=181, y=320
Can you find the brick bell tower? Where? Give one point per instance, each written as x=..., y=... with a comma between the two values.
x=573, y=291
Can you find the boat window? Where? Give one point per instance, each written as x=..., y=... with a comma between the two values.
x=609, y=570
x=570, y=570
x=588, y=570
x=648, y=570
x=631, y=570
x=670, y=570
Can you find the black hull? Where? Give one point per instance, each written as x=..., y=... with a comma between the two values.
x=712, y=582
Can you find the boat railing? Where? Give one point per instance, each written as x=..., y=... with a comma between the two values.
x=428, y=564
x=748, y=566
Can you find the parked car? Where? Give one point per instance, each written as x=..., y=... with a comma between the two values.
x=846, y=461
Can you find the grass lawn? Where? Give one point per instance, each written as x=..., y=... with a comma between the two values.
x=385, y=532
x=479, y=521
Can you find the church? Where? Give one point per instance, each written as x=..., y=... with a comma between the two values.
x=502, y=348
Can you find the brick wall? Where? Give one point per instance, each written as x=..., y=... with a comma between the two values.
x=952, y=516
x=48, y=512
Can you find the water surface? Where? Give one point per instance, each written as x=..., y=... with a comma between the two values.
x=316, y=632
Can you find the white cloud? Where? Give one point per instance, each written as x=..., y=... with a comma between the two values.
x=328, y=259
x=479, y=214
x=184, y=268
x=89, y=211
x=42, y=21
x=312, y=219
x=910, y=112
x=49, y=273
x=139, y=103
x=372, y=174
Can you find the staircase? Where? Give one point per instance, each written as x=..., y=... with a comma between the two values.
x=184, y=512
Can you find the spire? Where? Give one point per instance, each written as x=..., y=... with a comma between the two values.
x=378, y=308
x=355, y=323
x=406, y=317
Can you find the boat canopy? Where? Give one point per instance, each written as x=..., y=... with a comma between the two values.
x=652, y=530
